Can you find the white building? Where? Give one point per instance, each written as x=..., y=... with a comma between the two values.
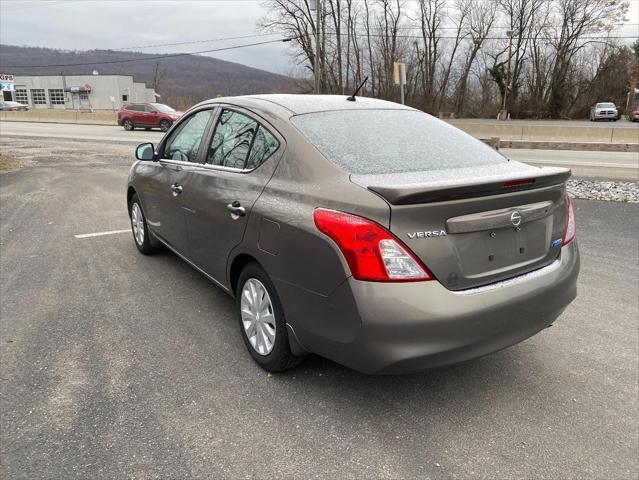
x=79, y=92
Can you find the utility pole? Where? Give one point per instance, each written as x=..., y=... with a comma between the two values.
x=361, y=58
x=155, y=77
x=318, y=20
x=504, y=108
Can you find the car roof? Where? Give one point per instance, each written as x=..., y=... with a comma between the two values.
x=301, y=104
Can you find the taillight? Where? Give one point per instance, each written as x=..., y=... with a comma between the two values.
x=571, y=227
x=372, y=252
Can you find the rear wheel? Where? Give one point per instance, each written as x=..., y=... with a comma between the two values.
x=165, y=125
x=139, y=228
x=128, y=125
x=262, y=321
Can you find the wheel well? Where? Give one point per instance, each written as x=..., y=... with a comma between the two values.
x=237, y=266
x=129, y=193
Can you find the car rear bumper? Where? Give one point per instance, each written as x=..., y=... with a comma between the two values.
x=407, y=327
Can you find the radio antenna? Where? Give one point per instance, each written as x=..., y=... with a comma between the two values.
x=352, y=97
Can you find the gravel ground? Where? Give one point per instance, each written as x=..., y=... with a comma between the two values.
x=609, y=191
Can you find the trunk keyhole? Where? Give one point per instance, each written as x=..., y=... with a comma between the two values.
x=521, y=250
x=491, y=258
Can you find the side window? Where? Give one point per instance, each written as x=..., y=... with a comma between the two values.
x=232, y=140
x=263, y=146
x=148, y=108
x=184, y=143
x=135, y=108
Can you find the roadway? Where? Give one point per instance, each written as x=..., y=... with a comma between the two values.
x=614, y=165
x=118, y=365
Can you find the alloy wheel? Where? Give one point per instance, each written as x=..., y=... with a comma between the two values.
x=258, y=317
x=137, y=222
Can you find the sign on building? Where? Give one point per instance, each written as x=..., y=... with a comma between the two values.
x=6, y=83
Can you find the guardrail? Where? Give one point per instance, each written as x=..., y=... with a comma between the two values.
x=555, y=134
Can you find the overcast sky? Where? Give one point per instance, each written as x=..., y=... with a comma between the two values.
x=88, y=24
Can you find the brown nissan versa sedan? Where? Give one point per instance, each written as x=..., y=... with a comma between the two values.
x=363, y=231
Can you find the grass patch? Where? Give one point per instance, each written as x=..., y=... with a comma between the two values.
x=8, y=164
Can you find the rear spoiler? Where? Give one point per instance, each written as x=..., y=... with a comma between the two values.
x=408, y=194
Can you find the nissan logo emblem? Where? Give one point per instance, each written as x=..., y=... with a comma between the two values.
x=515, y=218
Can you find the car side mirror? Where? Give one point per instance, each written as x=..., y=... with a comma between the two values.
x=145, y=151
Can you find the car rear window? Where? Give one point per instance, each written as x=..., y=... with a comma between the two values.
x=392, y=141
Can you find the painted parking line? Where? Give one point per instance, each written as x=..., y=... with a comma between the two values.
x=99, y=234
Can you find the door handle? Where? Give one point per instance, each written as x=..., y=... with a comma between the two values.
x=236, y=209
x=176, y=188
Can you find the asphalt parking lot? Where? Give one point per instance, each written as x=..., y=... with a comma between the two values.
x=116, y=365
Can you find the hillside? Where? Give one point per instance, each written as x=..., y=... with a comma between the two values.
x=181, y=81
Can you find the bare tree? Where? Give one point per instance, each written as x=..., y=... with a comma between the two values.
x=463, y=9
x=576, y=19
x=560, y=52
x=430, y=19
x=481, y=20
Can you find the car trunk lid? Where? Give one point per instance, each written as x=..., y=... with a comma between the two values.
x=472, y=226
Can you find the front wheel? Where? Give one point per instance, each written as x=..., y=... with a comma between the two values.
x=165, y=125
x=139, y=228
x=262, y=321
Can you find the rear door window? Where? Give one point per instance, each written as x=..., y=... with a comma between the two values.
x=263, y=147
x=392, y=141
x=231, y=140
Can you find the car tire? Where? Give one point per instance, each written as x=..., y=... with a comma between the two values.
x=258, y=323
x=147, y=128
x=128, y=125
x=165, y=125
x=139, y=227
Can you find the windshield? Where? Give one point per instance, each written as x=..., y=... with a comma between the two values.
x=606, y=105
x=163, y=108
x=392, y=141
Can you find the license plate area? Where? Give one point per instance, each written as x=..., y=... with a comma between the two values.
x=494, y=251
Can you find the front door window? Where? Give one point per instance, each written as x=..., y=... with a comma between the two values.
x=184, y=143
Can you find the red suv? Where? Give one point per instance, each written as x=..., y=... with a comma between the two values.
x=147, y=115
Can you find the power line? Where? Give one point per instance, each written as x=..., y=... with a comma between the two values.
x=194, y=42
x=155, y=57
x=357, y=34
